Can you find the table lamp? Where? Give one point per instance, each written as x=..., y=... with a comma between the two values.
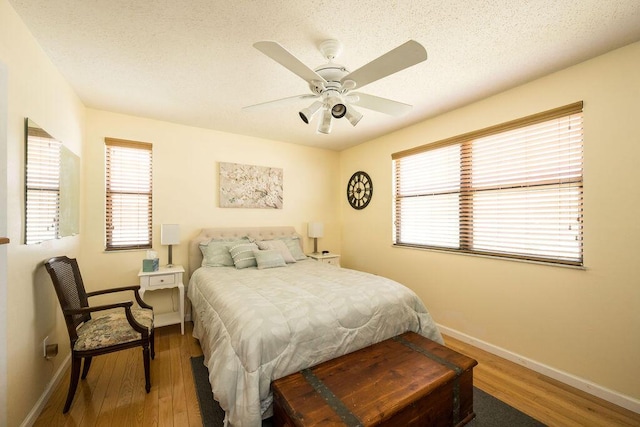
x=170, y=235
x=315, y=230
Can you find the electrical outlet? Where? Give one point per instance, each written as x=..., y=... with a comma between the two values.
x=51, y=351
x=45, y=343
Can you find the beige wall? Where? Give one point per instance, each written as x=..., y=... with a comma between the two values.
x=185, y=190
x=583, y=322
x=38, y=91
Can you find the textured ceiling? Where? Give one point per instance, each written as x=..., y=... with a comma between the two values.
x=192, y=62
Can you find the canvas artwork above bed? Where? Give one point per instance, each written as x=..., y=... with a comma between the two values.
x=263, y=310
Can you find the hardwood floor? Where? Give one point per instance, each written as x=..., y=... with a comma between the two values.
x=547, y=400
x=113, y=393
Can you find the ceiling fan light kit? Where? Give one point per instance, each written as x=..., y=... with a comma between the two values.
x=336, y=105
x=325, y=124
x=307, y=114
x=332, y=82
x=353, y=115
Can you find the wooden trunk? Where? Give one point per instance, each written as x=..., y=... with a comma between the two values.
x=407, y=380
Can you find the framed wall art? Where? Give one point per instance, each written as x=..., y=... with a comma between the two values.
x=250, y=186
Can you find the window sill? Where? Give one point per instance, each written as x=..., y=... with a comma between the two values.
x=493, y=257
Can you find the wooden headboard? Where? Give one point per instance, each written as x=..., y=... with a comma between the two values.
x=258, y=233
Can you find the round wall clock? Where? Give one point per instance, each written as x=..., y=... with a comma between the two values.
x=359, y=190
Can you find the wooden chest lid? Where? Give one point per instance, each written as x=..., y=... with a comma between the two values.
x=372, y=383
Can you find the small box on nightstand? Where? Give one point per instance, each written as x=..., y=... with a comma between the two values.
x=149, y=265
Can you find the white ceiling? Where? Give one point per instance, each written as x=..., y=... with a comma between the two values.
x=192, y=62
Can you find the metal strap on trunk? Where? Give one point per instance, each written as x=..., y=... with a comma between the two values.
x=458, y=370
x=332, y=400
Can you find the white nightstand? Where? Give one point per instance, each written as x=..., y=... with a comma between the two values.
x=333, y=259
x=165, y=278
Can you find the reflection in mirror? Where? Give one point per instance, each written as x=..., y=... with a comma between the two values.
x=69, y=193
x=52, y=177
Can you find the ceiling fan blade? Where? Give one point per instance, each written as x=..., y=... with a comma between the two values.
x=404, y=56
x=382, y=105
x=282, y=56
x=283, y=101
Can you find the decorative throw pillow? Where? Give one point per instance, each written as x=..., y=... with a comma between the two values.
x=293, y=244
x=276, y=245
x=215, y=253
x=269, y=259
x=242, y=255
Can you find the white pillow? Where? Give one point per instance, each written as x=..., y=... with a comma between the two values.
x=277, y=245
x=269, y=259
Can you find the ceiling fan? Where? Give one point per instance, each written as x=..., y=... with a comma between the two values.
x=332, y=84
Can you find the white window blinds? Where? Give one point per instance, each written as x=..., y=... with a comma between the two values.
x=42, y=213
x=513, y=190
x=128, y=194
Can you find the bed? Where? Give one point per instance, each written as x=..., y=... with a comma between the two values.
x=261, y=321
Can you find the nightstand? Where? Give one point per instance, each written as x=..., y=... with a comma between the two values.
x=165, y=278
x=333, y=259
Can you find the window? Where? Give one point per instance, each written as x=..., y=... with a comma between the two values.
x=42, y=212
x=128, y=194
x=512, y=190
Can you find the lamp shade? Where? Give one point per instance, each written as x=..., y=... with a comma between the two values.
x=170, y=234
x=315, y=229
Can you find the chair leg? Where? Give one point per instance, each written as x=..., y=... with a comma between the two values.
x=153, y=343
x=147, y=368
x=85, y=367
x=73, y=383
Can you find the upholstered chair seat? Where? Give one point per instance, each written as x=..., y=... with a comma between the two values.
x=112, y=328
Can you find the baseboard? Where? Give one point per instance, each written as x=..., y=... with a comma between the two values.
x=604, y=393
x=41, y=403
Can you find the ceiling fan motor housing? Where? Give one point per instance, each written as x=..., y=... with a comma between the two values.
x=332, y=89
x=332, y=73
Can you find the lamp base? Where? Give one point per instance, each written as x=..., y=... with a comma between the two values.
x=315, y=245
x=170, y=263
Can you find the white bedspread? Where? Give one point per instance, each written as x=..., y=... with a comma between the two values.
x=255, y=326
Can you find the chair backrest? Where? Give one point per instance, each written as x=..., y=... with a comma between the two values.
x=66, y=278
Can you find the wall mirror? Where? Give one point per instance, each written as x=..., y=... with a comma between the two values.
x=52, y=187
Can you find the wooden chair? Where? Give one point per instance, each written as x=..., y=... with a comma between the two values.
x=94, y=331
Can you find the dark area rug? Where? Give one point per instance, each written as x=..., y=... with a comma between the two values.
x=490, y=412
